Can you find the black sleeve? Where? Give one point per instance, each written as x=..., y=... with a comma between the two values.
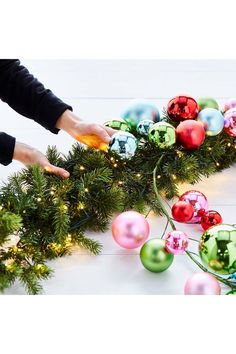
x=7, y=145
x=26, y=95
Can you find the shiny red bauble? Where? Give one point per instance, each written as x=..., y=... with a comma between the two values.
x=182, y=211
x=181, y=108
x=190, y=134
x=210, y=218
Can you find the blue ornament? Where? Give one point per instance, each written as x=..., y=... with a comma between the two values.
x=124, y=144
x=144, y=126
x=138, y=111
x=212, y=120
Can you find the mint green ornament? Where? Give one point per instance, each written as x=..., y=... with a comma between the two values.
x=162, y=134
x=118, y=124
x=207, y=102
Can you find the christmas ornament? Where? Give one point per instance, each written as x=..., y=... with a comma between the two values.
x=202, y=284
x=92, y=141
x=231, y=103
x=210, y=218
x=181, y=108
x=190, y=134
x=144, y=126
x=130, y=229
x=199, y=202
x=182, y=211
x=232, y=292
x=217, y=248
x=207, y=102
x=138, y=111
x=118, y=124
x=212, y=120
x=230, y=122
x=154, y=256
x=176, y=242
x=124, y=144
x=162, y=134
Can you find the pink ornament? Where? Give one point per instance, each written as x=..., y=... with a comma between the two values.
x=130, y=229
x=199, y=203
x=230, y=122
x=176, y=242
x=202, y=284
x=231, y=103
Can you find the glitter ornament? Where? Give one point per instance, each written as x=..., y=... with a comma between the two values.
x=210, y=218
x=176, y=242
x=212, y=120
x=181, y=108
x=230, y=122
x=118, y=124
x=162, y=134
x=190, y=134
x=199, y=202
x=217, y=249
x=207, y=102
x=202, y=284
x=231, y=103
x=182, y=211
x=130, y=229
x=140, y=110
x=144, y=126
x=124, y=144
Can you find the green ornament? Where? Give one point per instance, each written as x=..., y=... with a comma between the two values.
x=232, y=292
x=207, y=102
x=154, y=256
x=217, y=248
x=118, y=124
x=162, y=134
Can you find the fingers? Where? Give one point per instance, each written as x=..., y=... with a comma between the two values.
x=57, y=171
x=101, y=132
x=110, y=131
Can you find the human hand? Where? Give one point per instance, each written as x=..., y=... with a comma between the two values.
x=30, y=156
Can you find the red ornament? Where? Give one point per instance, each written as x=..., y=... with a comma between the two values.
x=182, y=107
x=182, y=211
x=210, y=218
x=190, y=134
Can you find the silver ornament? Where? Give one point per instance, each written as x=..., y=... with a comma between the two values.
x=124, y=144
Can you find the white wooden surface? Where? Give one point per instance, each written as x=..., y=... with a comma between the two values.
x=99, y=90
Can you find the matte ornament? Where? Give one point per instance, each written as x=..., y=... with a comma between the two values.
x=202, y=284
x=207, y=102
x=190, y=134
x=130, y=229
x=144, y=126
x=176, y=242
x=210, y=218
x=182, y=211
x=162, y=134
x=154, y=256
x=199, y=202
x=138, y=111
x=217, y=249
x=124, y=144
x=212, y=120
x=230, y=122
x=181, y=108
x=231, y=103
x=118, y=124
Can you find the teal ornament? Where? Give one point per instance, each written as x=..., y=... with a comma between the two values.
x=144, y=126
x=212, y=120
x=138, y=111
x=124, y=144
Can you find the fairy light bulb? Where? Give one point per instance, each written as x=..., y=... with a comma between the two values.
x=82, y=168
x=39, y=199
x=86, y=189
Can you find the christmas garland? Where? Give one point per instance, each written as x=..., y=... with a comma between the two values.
x=50, y=215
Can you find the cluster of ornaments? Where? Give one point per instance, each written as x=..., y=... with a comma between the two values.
x=194, y=120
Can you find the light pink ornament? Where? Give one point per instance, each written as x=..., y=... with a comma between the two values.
x=130, y=229
x=202, y=284
x=230, y=122
x=176, y=242
x=231, y=103
x=199, y=203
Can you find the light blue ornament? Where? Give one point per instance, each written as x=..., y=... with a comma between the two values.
x=124, y=144
x=144, y=126
x=212, y=120
x=140, y=110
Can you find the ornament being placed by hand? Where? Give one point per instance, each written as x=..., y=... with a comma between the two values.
x=176, y=242
x=124, y=144
x=130, y=229
x=154, y=256
x=162, y=134
x=144, y=126
x=217, y=248
x=190, y=134
x=199, y=202
x=210, y=218
x=230, y=122
x=202, y=284
x=207, y=102
x=118, y=124
x=212, y=120
x=231, y=103
x=140, y=110
x=182, y=211
x=181, y=108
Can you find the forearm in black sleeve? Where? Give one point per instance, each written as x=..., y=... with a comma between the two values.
x=7, y=145
x=26, y=95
